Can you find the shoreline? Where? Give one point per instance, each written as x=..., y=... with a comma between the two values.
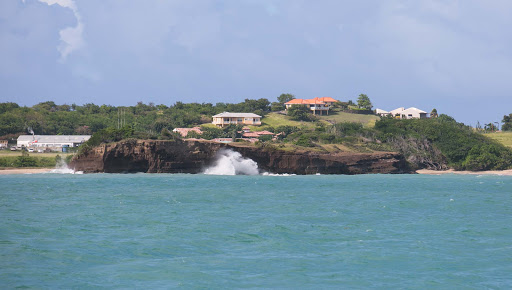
x=508, y=172
x=451, y=171
x=7, y=171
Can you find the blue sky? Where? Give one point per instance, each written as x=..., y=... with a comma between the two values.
x=451, y=55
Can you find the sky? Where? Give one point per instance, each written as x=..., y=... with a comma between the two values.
x=455, y=56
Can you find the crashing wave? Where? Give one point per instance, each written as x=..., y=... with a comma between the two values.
x=229, y=162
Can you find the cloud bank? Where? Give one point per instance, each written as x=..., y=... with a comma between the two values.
x=70, y=37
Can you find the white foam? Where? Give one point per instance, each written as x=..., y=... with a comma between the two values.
x=276, y=174
x=62, y=168
x=230, y=162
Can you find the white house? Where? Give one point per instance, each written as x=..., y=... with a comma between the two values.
x=52, y=141
x=227, y=118
x=402, y=113
x=413, y=113
x=381, y=112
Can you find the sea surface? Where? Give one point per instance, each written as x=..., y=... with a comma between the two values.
x=156, y=231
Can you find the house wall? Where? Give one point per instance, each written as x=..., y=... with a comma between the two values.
x=225, y=121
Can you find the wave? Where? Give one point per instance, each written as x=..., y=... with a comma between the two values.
x=62, y=168
x=229, y=162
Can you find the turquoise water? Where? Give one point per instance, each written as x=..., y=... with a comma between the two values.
x=199, y=231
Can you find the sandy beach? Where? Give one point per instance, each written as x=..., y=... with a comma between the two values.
x=451, y=171
x=24, y=170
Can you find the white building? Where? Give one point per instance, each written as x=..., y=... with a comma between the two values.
x=381, y=112
x=227, y=118
x=402, y=113
x=51, y=141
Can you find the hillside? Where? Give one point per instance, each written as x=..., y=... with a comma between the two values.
x=276, y=120
x=504, y=138
x=340, y=117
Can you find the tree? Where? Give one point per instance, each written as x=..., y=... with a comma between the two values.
x=299, y=113
x=284, y=98
x=433, y=113
x=507, y=123
x=489, y=127
x=276, y=106
x=363, y=102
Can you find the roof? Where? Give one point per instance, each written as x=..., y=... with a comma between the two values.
x=327, y=99
x=322, y=100
x=257, y=134
x=380, y=111
x=402, y=109
x=296, y=102
x=236, y=115
x=397, y=111
x=55, y=138
x=415, y=110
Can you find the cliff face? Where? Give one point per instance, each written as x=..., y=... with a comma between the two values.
x=154, y=156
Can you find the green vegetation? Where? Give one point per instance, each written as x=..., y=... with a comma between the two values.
x=463, y=148
x=149, y=119
x=341, y=117
x=276, y=120
x=300, y=113
x=363, y=102
x=504, y=138
x=426, y=143
x=26, y=160
x=507, y=123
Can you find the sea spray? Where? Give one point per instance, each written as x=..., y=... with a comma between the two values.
x=62, y=168
x=229, y=162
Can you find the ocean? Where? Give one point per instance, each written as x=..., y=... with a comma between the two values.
x=159, y=231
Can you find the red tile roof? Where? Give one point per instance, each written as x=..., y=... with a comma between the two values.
x=317, y=100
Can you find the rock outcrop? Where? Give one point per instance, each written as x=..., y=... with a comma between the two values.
x=157, y=156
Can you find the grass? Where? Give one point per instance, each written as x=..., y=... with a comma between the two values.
x=339, y=117
x=504, y=138
x=276, y=120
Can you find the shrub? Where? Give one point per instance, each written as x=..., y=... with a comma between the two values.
x=265, y=138
x=462, y=147
x=304, y=141
x=299, y=113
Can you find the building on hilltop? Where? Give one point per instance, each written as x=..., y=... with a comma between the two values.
x=402, y=113
x=51, y=141
x=319, y=105
x=227, y=118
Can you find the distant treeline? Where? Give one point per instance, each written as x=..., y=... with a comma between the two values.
x=48, y=118
x=438, y=143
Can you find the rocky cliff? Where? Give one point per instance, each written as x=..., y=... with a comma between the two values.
x=156, y=156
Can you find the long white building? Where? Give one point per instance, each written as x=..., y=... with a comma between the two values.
x=52, y=141
x=402, y=113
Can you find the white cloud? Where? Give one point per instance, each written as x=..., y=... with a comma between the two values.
x=71, y=37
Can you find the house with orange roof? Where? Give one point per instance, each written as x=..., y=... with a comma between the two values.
x=319, y=105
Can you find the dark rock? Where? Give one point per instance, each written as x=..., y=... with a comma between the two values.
x=156, y=156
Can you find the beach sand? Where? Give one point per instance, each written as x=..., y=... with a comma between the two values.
x=451, y=171
x=24, y=170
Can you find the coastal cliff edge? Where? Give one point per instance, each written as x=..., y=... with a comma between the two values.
x=193, y=156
